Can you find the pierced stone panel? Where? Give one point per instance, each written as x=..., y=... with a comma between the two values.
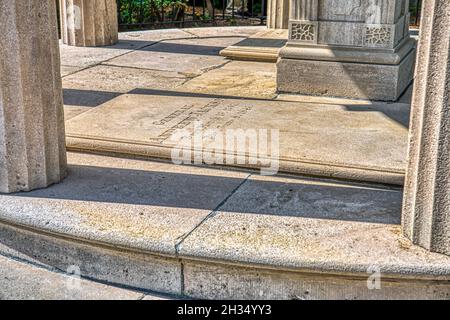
x=378, y=36
x=303, y=31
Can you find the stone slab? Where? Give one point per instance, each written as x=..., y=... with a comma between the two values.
x=316, y=227
x=73, y=111
x=236, y=79
x=350, y=80
x=190, y=57
x=147, y=37
x=357, y=142
x=21, y=281
x=128, y=41
x=262, y=46
x=105, y=78
x=83, y=57
x=123, y=202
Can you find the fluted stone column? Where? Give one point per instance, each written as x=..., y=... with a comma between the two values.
x=278, y=14
x=426, y=210
x=32, y=146
x=348, y=48
x=89, y=23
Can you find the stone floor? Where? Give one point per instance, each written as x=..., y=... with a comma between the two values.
x=114, y=97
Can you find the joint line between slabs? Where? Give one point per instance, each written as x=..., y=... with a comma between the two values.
x=210, y=215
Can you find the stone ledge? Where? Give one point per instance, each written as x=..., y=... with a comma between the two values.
x=263, y=46
x=293, y=230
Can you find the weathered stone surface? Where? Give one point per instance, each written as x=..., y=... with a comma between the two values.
x=32, y=145
x=89, y=23
x=278, y=14
x=21, y=281
x=190, y=57
x=66, y=70
x=114, y=79
x=123, y=202
x=262, y=46
x=368, y=41
x=218, y=32
x=311, y=226
x=115, y=220
x=73, y=111
x=101, y=261
x=236, y=79
x=219, y=282
x=426, y=212
x=356, y=142
x=83, y=57
x=148, y=37
x=345, y=79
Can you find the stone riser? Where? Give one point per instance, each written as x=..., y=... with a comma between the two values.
x=200, y=279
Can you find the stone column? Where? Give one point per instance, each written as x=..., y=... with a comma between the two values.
x=278, y=14
x=89, y=23
x=348, y=48
x=32, y=145
x=426, y=209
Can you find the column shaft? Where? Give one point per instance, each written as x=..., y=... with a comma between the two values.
x=32, y=145
x=278, y=14
x=426, y=209
x=89, y=23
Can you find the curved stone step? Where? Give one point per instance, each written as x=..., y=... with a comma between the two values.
x=203, y=233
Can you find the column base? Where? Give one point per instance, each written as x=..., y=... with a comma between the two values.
x=346, y=72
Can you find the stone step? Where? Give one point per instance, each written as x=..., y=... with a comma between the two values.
x=263, y=46
x=198, y=232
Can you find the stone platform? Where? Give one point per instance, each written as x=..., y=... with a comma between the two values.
x=204, y=233
x=150, y=74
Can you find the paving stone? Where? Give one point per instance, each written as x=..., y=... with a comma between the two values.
x=66, y=70
x=238, y=79
x=88, y=56
x=119, y=79
x=147, y=37
x=190, y=57
x=73, y=111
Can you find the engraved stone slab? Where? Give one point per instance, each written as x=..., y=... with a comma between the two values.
x=356, y=142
